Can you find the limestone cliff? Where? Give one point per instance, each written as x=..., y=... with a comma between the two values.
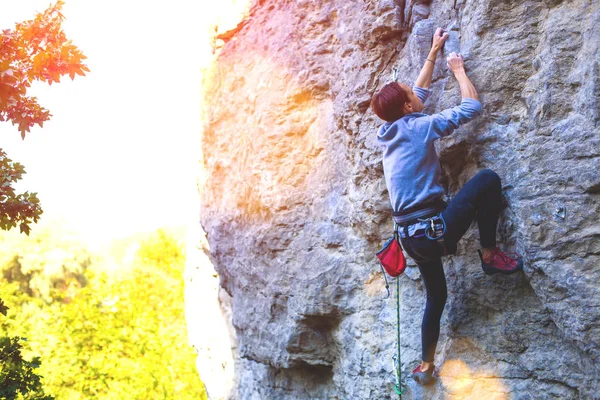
x=295, y=206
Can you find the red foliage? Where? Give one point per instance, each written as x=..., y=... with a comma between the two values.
x=39, y=50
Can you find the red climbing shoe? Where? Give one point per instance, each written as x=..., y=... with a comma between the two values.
x=500, y=262
x=423, y=377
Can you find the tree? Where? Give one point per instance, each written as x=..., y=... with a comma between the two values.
x=35, y=50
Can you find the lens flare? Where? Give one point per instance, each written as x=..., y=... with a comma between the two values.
x=464, y=384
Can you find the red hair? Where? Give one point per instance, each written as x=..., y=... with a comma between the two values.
x=388, y=103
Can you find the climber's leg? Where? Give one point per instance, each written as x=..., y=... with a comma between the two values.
x=435, y=285
x=480, y=199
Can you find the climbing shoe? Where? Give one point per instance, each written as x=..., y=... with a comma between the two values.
x=423, y=377
x=500, y=262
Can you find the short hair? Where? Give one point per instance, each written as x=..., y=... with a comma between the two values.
x=388, y=103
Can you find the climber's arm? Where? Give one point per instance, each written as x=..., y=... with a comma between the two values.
x=445, y=122
x=424, y=79
x=457, y=66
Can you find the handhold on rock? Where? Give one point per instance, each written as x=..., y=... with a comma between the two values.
x=451, y=44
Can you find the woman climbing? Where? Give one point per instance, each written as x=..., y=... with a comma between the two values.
x=428, y=227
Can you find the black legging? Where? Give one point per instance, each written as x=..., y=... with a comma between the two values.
x=479, y=199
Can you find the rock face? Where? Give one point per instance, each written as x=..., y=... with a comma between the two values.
x=295, y=205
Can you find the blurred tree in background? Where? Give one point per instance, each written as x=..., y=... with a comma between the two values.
x=121, y=335
x=45, y=262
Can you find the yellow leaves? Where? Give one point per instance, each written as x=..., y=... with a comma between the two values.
x=136, y=319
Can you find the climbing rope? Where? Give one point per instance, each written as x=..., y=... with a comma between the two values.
x=398, y=387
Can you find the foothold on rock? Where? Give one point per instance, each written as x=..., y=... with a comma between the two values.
x=560, y=213
x=536, y=219
x=503, y=119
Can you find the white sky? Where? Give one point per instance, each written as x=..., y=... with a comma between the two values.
x=120, y=153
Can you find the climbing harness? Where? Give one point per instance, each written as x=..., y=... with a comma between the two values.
x=431, y=216
x=412, y=215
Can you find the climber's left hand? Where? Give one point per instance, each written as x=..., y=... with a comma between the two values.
x=439, y=39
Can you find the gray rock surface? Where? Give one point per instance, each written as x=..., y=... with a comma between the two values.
x=295, y=205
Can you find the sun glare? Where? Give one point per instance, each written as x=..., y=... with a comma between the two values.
x=464, y=384
x=121, y=153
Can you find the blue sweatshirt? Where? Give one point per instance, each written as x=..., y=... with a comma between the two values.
x=410, y=162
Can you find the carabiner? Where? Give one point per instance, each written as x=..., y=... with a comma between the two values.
x=436, y=231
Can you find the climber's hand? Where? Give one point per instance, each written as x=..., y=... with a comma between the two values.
x=455, y=62
x=439, y=37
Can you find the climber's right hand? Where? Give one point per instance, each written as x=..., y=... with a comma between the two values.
x=455, y=63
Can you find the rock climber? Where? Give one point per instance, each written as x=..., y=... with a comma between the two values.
x=412, y=175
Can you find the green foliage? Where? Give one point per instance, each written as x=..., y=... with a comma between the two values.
x=18, y=378
x=3, y=308
x=15, y=209
x=118, y=337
